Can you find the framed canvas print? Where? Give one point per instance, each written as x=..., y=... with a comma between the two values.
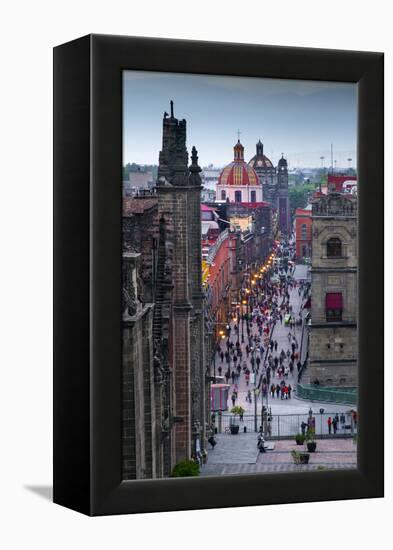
x=218, y=275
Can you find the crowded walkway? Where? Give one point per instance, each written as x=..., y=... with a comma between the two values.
x=260, y=355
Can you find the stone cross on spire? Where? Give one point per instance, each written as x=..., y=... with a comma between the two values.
x=238, y=135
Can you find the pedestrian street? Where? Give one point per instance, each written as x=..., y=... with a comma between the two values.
x=279, y=333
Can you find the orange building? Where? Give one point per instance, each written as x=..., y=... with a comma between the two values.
x=303, y=232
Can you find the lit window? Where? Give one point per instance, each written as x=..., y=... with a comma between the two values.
x=334, y=307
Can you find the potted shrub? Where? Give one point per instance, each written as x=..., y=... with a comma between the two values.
x=234, y=426
x=311, y=444
x=300, y=458
x=185, y=468
x=300, y=438
x=304, y=458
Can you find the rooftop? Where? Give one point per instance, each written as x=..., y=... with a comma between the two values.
x=136, y=205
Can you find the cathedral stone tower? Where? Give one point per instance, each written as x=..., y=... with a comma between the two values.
x=284, y=214
x=333, y=330
x=179, y=301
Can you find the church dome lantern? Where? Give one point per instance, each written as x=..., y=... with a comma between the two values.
x=260, y=161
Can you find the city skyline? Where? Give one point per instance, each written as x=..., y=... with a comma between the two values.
x=297, y=118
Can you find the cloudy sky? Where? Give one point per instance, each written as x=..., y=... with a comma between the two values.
x=298, y=118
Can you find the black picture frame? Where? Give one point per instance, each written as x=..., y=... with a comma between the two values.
x=87, y=273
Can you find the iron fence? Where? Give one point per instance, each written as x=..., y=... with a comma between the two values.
x=288, y=425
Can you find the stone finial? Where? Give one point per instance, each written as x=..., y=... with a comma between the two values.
x=194, y=161
x=172, y=116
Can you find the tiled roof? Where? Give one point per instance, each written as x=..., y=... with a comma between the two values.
x=132, y=206
x=238, y=173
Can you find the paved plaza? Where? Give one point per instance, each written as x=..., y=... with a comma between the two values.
x=245, y=459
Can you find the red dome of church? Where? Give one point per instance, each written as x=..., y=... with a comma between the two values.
x=238, y=172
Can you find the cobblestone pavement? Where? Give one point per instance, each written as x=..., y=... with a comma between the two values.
x=231, y=449
x=330, y=454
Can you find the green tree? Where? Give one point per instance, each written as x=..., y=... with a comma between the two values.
x=299, y=195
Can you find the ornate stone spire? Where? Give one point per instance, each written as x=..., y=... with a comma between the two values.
x=195, y=178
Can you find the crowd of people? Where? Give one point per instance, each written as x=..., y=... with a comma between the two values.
x=250, y=349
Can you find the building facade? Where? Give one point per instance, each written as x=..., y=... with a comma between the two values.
x=333, y=330
x=138, y=179
x=303, y=232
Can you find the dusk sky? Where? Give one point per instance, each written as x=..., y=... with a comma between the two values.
x=298, y=118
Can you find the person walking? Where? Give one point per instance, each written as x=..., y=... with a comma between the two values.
x=334, y=423
x=275, y=345
x=289, y=391
x=272, y=390
x=233, y=399
x=277, y=391
x=329, y=423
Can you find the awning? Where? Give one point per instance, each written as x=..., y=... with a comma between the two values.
x=334, y=300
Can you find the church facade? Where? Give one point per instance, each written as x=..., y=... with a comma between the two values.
x=238, y=181
x=274, y=181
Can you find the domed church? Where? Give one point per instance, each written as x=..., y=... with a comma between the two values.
x=274, y=183
x=239, y=182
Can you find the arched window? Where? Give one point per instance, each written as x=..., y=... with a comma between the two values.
x=238, y=196
x=304, y=232
x=253, y=196
x=223, y=195
x=333, y=248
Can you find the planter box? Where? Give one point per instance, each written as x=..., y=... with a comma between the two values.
x=234, y=430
